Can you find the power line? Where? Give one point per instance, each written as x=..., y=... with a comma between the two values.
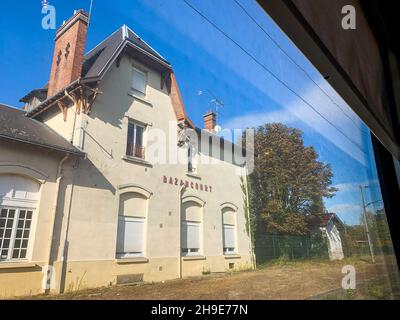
x=272, y=74
x=90, y=11
x=299, y=66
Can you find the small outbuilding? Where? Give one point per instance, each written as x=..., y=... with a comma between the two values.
x=330, y=226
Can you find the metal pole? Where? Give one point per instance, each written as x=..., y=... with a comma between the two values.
x=371, y=249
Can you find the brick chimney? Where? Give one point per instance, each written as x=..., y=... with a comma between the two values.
x=68, y=52
x=210, y=120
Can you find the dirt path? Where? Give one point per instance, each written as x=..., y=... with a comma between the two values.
x=289, y=281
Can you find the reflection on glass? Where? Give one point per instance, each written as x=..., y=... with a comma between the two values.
x=315, y=195
x=316, y=214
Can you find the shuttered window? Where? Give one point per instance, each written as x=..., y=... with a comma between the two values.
x=229, y=239
x=190, y=238
x=130, y=241
x=139, y=81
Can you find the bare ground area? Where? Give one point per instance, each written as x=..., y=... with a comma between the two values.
x=290, y=280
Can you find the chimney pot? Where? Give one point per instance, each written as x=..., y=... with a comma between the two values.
x=210, y=120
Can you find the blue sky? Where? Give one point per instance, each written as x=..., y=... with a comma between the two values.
x=242, y=74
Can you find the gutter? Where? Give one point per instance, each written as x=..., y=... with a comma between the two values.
x=64, y=252
x=48, y=275
x=77, y=152
x=49, y=102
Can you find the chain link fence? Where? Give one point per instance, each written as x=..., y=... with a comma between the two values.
x=269, y=247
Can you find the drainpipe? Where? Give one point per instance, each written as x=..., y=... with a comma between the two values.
x=48, y=274
x=182, y=188
x=62, y=277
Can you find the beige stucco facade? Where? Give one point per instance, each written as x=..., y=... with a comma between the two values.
x=94, y=191
x=41, y=166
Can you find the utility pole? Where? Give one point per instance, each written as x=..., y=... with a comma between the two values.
x=371, y=249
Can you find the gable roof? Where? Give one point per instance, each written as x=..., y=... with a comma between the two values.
x=328, y=217
x=97, y=59
x=38, y=93
x=15, y=126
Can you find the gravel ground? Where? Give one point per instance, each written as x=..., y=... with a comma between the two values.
x=291, y=280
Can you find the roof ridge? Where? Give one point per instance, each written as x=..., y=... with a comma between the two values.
x=109, y=36
x=146, y=43
x=11, y=107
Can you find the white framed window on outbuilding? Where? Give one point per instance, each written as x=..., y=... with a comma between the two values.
x=19, y=196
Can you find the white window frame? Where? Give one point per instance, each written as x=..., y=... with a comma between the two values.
x=145, y=75
x=132, y=255
x=14, y=232
x=193, y=251
x=136, y=124
x=229, y=250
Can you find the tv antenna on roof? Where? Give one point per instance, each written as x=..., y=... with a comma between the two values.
x=217, y=102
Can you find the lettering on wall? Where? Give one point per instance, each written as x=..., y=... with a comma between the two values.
x=188, y=184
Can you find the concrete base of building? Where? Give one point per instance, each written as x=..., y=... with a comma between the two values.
x=23, y=280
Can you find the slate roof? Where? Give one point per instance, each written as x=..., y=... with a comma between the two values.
x=97, y=58
x=15, y=126
x=39, y=93
x=100, y=57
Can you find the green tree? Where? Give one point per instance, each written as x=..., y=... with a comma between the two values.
x=288, y=182
x=378, y=229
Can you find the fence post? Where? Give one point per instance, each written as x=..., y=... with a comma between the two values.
x=273, y=246
x=291, y=246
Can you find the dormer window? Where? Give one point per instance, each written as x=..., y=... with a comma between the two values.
x=139, y=81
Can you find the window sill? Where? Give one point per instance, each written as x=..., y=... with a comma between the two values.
x=232, y=256
x=137, y=161
x=188, y=258
x=193, y=175
x=131, y=260
x=18, y=265
x=144, y=100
